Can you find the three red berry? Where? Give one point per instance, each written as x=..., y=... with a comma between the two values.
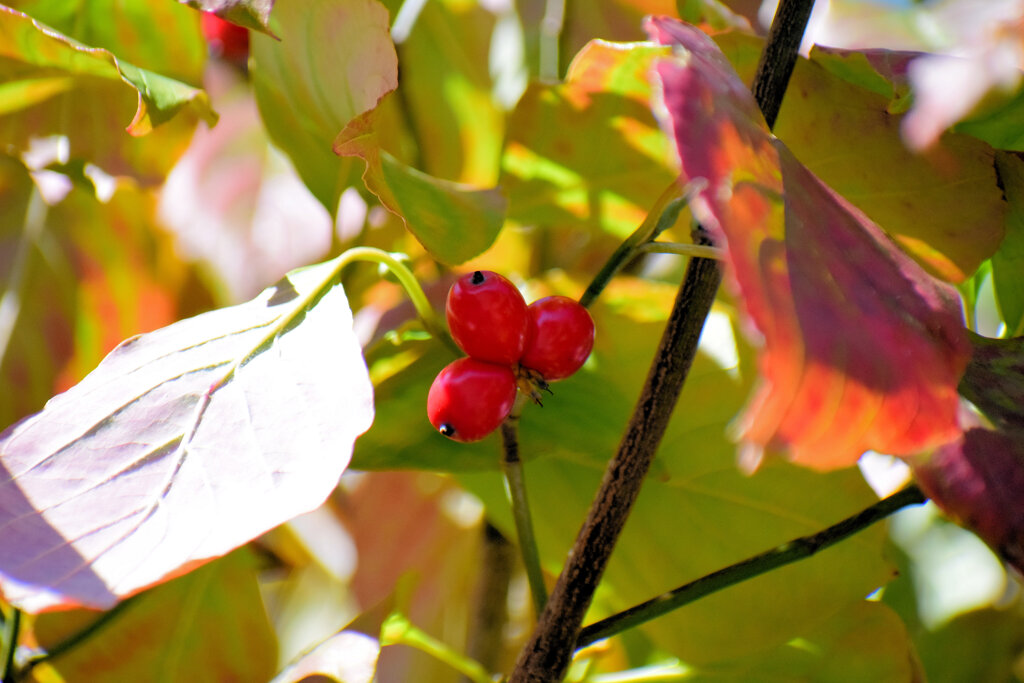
x=506, y=341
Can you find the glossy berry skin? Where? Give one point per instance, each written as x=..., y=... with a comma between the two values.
x=559, y=339
x=487, y=317
x=469, y=399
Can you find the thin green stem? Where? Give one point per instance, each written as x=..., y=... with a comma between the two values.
x=12, y=627
x=409, y=283
x=797, y=549
x=515, y=482
x=661, y=217
x=398, y=630
x=682, y=249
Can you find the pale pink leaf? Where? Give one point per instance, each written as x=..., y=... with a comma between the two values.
x=181, y=445
x=346, y=657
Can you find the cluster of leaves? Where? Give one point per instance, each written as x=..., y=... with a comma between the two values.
x=123, y=212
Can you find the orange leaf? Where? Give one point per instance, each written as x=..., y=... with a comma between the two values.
x=861, y=349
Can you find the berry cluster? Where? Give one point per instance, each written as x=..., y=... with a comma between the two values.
x=509, y=344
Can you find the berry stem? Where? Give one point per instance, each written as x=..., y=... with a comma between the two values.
x=515, y=482
x=682, y=249
x=797, y=549
x=409, y=283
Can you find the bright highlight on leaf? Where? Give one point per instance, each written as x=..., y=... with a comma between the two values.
x=182, y=445
x=28, y=45
x=861, y=348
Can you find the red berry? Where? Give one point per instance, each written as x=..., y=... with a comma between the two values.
x=469, y=399
x=561, y=335
x=487, y=317
x=226, y=40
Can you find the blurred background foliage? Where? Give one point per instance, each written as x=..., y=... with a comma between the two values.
x=495, y=135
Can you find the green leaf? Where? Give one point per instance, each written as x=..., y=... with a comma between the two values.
x=1008, y=261
x=447, y=87
x=209, y=625
x=334, y=61
x=552, y=169
x=160, y=36
x=454, y=222
x=983, y=645
x=701, y=514
x=30, y=48
x=866, y=641
x=998, y=122
x=55, y=85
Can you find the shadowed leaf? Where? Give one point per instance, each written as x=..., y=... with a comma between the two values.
x=1008, y=261
x=182, y=445
x=861, y=348
x=977, y=481
x=994, y=380
x=207, y=627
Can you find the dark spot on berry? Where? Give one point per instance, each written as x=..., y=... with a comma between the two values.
x=446, y=430
x=478, y=278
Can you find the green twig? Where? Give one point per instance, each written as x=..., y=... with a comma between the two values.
x=409, y=282
x=661, y=217
x=398, y=630
x=787, y=553
x=12, y=627
x=515, y=481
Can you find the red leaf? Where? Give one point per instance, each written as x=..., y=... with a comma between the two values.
x=861, y=348
x=978, y=482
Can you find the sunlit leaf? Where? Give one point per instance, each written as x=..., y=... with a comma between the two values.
x=945, y=208
x=208, y=626
x=346, y=657
x=333, y=62
x=33, y=51
x=254, y=14
x=183, y=444
x=454, y=222
x=447, y=84
x=841, y=310
x=553, y=171
x=235, y=203
x=162, y=37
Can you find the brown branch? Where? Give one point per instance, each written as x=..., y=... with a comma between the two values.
x=546, y=656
